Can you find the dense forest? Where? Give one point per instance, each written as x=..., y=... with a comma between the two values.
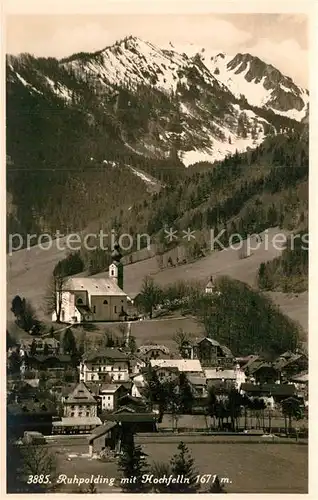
x=289, y=272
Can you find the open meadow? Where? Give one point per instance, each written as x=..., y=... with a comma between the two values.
x=246, y=465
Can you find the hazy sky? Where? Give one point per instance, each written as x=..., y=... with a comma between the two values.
x=279, y=39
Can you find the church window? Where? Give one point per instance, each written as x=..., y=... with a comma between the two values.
x=79, y=301
x=105, y=302
x=112, y=272
x=115, y=309
x=94, y=309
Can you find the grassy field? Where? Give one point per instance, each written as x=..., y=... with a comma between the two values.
x=249, y=466
x=28, y=272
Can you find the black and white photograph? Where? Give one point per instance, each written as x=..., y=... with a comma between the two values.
x=157, y=250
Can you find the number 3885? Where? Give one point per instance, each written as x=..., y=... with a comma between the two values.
x=39, y=479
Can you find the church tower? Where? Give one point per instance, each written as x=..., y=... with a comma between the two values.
x=116, y=268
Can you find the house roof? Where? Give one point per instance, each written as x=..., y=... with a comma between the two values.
x=262, y=365
x=110, y=388
x=273, y=389
x=183, y=365
x=215, y=343
x=81, y=394
x=112, y=353
x=130, y=399
x=217, y=374
x=94, y=286
x=227, y=351
x=198, y=381
x=63, y=358
x=283, y=361
x=70, y=421
x=68, y=388
x=101, y=430
x=143, y=349
x=131, y=416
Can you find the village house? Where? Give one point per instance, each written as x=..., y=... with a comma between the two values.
x=265, y=373
x=210, y=286
x=167, y=367
x=93, y=299
x=119, y=428
x=212, y=353
x=278, y=392
x=225, y=378
x=80, y=403
x=51, y=362
x=290, y=364
x=79, y=412
x=41, y=346
x=110, y=394
x=100, y=365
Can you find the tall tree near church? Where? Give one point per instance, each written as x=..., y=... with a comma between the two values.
x=149, y=296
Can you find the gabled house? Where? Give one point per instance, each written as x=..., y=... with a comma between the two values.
x=211, y=353
x=290, y=364
x=50, y=362
x=100, y=365
x=210, y=286
x=265, y=373
x=80, y=402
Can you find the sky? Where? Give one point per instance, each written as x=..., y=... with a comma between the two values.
x=279, y=39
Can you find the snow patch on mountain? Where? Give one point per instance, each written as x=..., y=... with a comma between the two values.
x=143, y=176
x=25, y=83
x=58, y=88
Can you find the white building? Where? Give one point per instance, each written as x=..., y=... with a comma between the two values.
x=109, y=395
x=139, y=385
x=91, y=299
x=80, y=299
x=100, y=365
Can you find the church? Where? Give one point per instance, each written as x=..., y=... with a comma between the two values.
x=86, y=299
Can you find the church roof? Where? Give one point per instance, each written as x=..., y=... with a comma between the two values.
x=94, y=286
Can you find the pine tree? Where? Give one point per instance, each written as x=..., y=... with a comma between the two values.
x=69, y=343
x=182, y=464
x=133, y=465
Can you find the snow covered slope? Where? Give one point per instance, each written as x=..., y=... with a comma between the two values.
x=166, y=102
